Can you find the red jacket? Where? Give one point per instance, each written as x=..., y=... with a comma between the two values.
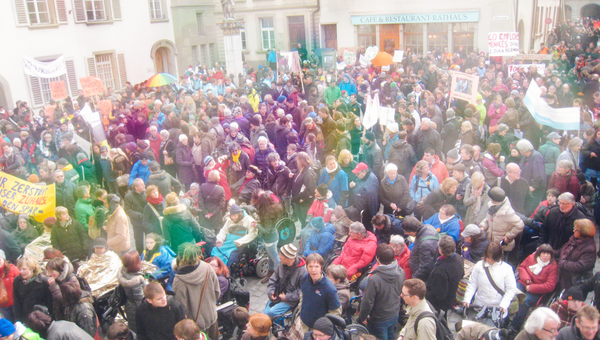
x=8, y=281
x=566, y=183
x=544, y=282
x=438, y=169
x=402, y=259
x=357, y=254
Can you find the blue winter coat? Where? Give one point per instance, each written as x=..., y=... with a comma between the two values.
x=139, y=171
x=419, y=187
x=162, y=260
x=348, y=86
x=337, y=186
x=365, y=195
x=450, y=227
x=320, y=241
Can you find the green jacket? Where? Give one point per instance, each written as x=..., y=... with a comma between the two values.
x=550, y=152
x=65, y=195
x=83, y=211
x=72, y=240
x=331, y=94
x=88, y=171
x=180, y=226
x=24, y=237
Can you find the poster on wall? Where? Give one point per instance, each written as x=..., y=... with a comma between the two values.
x=503, y=43
x=464, y=86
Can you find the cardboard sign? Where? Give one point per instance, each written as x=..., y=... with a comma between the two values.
x=534, y=57
x=512, y=69
x=464, y=86
x=58, y=89
x=91, y=86
x=22, y=197
x=503, y=43
x=49, y=110
x=104, y=106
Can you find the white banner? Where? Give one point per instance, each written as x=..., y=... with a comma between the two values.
x=512, y=69
x=41, y=69
x=372, y=111
x=561, y=119
x=503, y=43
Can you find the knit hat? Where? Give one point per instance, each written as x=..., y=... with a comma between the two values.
x=144, y=155
x=573, y=293
x=81, y=157
x=370, y=136
x=392, y=127
x=325, y=326
x=207, y=160
x=470, y=230
x=253, y=169
x=131, y=146
x=553, y=135
x=142, y=144
x=312, y=115
x=235, y=209
x=289, y=251
x=2, y=254
x=496, y=194
x=33, y=178
x=49, y=221
x=281, y=99
x=454, y=154
x=195, y=186
x=6, y=328
x=514, y=93
x=450, y=114
x=255, y=121
x=468, y=112
x=340, y=126
x=99, y=243
x=317, y=223
x=103, y=148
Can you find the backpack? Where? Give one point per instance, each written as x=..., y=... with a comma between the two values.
x=83, y=284
x=442, y=332
x=238, y=291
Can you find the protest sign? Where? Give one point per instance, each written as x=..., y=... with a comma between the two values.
x=512, y=69
x=104, y=106
x=91, y=86
x=93, y=118
x=560, y=119
x=398, y=56
x=503, y=43
x=349, y=57
x=49, y=110
x=534, y=57
x=371, y=52
x=289, y=62
x=58, y=89
x=371, y=112
x=22, y=197
x=464, y=86
x=387, y=115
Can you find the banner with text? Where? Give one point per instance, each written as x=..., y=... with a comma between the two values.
x=51, y=69
x=22, y=197
x=58, y=89
x=561, y=119
x=512, y=69
x=503, y=43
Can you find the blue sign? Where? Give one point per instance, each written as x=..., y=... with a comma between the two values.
x=415, y=18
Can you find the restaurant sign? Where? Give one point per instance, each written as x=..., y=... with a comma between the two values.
x=415, y=18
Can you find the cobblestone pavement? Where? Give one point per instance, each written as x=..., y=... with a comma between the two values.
x=258, y=294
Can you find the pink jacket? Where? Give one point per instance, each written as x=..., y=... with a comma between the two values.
x=495, y=114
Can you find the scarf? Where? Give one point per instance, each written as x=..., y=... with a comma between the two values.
x=155, y=201
x=332, y=171
x=536, y=269
x=65, y=224
x=494, y=208
x=236, y=157
x=390, y=181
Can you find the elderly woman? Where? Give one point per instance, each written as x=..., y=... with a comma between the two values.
x=260, y=157
x=543, y=323
x=445, y=194
x=571, y=153
x=533, y=169
x=492, y=267
x=393, y=192
x=467, y=135
x=185, y=162
x=564, y=178
x=502, y=137
x=489, y=164
x=118, y=227
x=211, y=201
x=401, y=254
x=538, y=275
x=423, y=182
x=476, y=199
x=278, y=176
x=359, y=250
x=341, y=223
x=577, y=257
x=211, y=164
x=336, y=179
x=25, y=232
x=238, y=162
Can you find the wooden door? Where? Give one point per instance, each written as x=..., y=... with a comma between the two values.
x=297, y=33
x=389, y=38
x=159, y=61
x=330, y=34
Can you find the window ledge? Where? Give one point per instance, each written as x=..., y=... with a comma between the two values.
x=159, y=20
x=42, y=26
x=99, y=22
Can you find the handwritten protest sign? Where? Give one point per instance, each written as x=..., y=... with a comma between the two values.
x=91, y=86
x=512, y=69
x=104, y=106
x=464, y=86
x=503, y=43
x=22, y=197
x=349, y=57
x=49, y=110
x=58, y=89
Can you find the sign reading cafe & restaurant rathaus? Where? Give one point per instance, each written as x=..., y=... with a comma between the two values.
x=415, y=18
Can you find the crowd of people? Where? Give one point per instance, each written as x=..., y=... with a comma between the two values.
x=191, y=175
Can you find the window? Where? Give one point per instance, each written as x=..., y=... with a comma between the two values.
x=413, y=38
x=156, y=10
x=104, y=69
x=195, y=54
x=267, y=31
x=40, y=87
x=38, y=11
x=204, y=54
x=437, y=36
x=200, y=23
x=243, y=35
x=367, y=35
x=45, y=85
x=462, y=38
x=109, y=67
x=95, y=10
x=213, y=53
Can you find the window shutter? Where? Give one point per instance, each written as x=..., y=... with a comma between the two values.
x=36, y=91
x=116, y=8
x=79, y=11
x=61, y=8
x=164, y=9
x=21, y=13
x=122, y=70
x=72, y=77
x=91, y=65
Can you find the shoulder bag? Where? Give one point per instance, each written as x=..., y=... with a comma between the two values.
x=517, y=299
x=202, y=294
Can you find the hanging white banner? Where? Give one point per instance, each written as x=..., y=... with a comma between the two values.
x=41, y=69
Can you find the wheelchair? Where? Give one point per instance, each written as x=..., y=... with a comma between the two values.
x=253, y=259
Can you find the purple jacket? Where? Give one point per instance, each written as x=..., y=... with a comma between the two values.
x=533, y=170
x=185, y=163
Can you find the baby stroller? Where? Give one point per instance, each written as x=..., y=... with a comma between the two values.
x=109, y=305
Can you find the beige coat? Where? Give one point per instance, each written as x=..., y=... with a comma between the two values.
x=426, y=327
x=117, y=231
x=188, y=289
x=504, y=223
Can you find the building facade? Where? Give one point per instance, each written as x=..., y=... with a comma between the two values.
x=114, y=40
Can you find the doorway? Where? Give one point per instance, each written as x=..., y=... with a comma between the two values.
x=591, y=11
x=162, y=60
x=297, y=31
x=389, y=38
x=330, y=35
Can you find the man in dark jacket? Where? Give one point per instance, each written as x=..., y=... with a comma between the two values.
x=364, y=193
x=158, y=313
x=585, y=326
x=386, y=225
x=65, y=192
x=517, y=189
x=425, y=247
x=162, y=179
x=9, y=247
x=372, y=155
x=342, y=140
x=242, y=190
x=428, y=138
x=135, y=201
x=283, y=289
x=281, y=132
x=403, y=155
x=381, y=298
x=558, y=226
x=447, y=272
x=450, y=132
x=533, y=169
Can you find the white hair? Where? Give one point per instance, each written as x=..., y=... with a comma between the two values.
x=391, y=167
x=538, y=318
x=358, y=228
x=263, y=139
x=397, y=240
x=567, y=196
x=524, y=145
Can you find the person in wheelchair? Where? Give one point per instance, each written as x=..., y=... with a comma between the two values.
x=239, y=231
x=321, y=238
x=359, y=250
x=324, y=329
x=567, y=306
x=284, y=286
